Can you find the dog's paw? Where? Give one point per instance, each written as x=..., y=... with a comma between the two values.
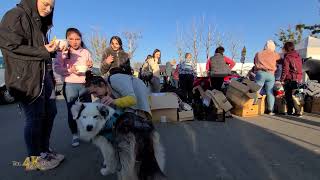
x=105, y=171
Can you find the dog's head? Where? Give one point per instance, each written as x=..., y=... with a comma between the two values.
x=91, y=118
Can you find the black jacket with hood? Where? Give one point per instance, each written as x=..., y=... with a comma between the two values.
x=120, y=60
x=22, y=39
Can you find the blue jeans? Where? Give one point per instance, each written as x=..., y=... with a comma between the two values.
x=39, y=119
x=266, y=80
x=72, y=92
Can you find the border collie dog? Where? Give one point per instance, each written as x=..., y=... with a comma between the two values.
x=129, y=144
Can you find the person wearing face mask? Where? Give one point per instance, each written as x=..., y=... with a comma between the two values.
x=115, y=56
x=28, y=55
x=72, y=65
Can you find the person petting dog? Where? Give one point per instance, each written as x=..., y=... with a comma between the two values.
x=129, y=97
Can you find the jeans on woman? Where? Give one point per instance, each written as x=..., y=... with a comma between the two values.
x=266, y=80
x=39, y=119
x=72, y=92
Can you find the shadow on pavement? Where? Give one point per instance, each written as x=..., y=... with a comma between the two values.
x=195, y=150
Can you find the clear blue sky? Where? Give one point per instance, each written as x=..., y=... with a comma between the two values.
x=252, y=21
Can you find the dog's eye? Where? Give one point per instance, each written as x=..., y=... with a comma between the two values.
x=95, y=116
x=84, y=117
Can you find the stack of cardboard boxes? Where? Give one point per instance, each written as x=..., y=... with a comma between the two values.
x=220, y=105
x=165, y=106
x=312, y=101
x=245, y=98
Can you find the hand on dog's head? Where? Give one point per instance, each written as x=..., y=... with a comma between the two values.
x=90, y=118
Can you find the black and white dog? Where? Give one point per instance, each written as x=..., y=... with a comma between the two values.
x=130, y=147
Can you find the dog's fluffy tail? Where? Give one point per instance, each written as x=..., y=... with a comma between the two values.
x=152, y=157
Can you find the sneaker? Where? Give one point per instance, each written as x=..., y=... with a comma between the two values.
x=298, y=114
x=75, y=141
x=46, y=163
x=56, y=156
x=271, y=114
x=41, y=163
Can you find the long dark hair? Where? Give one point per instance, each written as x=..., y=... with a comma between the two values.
x=74, y=30
x=154, y=53
x=117, y=38
x=289, y=46
x=92, y=79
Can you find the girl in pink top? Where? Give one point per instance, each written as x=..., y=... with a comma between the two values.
x=72, y=65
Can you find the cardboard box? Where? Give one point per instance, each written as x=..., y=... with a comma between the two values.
x=250, y=108
x=239, y=86
x=250, y=111
x=315, y=105
x=186, y=116
x=236, y=97
x=171, y=115
x=164, y=104
x=254, y=87
x=219, y=100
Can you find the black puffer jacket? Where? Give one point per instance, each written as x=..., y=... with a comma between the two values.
x=22, y=39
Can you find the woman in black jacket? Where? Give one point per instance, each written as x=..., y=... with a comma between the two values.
x=114, y=56
x=27, y=55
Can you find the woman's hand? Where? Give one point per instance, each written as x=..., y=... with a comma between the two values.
x=107, y=100
x=109, y=59
x=51, y=47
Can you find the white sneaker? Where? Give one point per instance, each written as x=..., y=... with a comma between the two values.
x=41, y=163
x=75, y=141
x=54, y=155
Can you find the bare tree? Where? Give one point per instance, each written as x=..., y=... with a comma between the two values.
x=179, y=43
x=98, y=44
x=219, y=39
x=234, y=47
x=193, y=43
x=132, y=41
x=209, y=39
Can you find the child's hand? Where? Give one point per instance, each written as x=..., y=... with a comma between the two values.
x=73, y=69
x=89, y=63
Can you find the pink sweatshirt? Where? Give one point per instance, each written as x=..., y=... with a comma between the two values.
x=266, y=60
x=63, y=65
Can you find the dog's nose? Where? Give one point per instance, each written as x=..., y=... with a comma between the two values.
x=89, y=127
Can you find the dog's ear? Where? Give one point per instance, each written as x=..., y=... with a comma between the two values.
x=76, y=109
x=103, y=109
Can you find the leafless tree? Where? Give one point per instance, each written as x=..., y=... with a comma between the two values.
x=208, y=40
x=132, y=38
x=234, y=46
x=98, y=44
x=193, y=42
x=179, y=43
